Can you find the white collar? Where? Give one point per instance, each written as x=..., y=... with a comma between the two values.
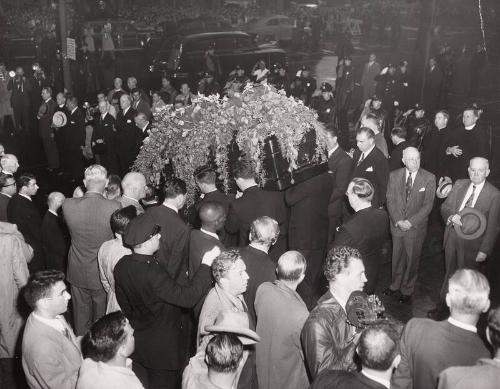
x=209, y=233
x=331, y=151
x=470, y=127
x=126, y=110
x=381, y=381
x=73, y=110
x=53, y=213
x=130, y=198
x=146, y=126
x=479, y=187
x=368, y=152
x=50, y=98
x=25, y=196
x=413, y=175
x=259, y=248
x=6, y=172
x=61, y=106
x=103, y=115
x=459, y=324
x=56, y=323
x=171, y=207
x=5, y=194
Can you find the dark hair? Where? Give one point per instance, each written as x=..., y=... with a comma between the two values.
x=332, y=131
x=173, y=188
x=494, y=328
x=224, y=352
x=24, y=180
x=134, y=90
x=121, y=217
x=3, y=179
x=165, y=96
x=150, y=193
x=365, y=130
x=244, y=168
x=400, y=132
x=362, y=188
x=40, y=285
x=338, y=259
x=72, y=99
x=205, y=174
x=105, y=337
x=48, y=89
x=114, y=183
x=378, y=346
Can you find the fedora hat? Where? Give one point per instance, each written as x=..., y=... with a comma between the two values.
x=473, y=224
x=444, y=187
x=59, y=119
x=236, y=323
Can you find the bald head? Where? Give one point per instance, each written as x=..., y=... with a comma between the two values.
x=134, y=185
x=55, y=200
x=212, y=216
x=378, y=347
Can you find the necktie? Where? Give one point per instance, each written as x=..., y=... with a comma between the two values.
x=469, y=201
x=408, y=187
x=361, y=159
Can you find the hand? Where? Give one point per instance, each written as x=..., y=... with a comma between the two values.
x=456, y=151
x=209, y=256
x=456, y=219
x=480, y=257
x=384, y=70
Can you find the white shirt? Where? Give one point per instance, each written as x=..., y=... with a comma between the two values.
x=146, y=126
x=126, y=110
x=103, y=115
x=330, y=152
x=470, y=127
x=258, y=248
x=56, y=323
x=366, y=153
x=461, y=325
x=381, y=381
x=209, y=233
x=171, y=207
x=413, y=175
x=478, y=190
x=26, y=197
x=73, y=110
x=52, y=212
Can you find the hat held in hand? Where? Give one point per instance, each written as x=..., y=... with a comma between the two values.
x=473, y=224
x=363, y=310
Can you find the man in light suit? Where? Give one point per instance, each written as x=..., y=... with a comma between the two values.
x=410, y=195
x=371, y=69
x=50, y=350
x=371, y=164
x=88, y=219
x=479, y=194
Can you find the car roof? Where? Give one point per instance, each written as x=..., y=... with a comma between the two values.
x=216, y=34
x=266, y=18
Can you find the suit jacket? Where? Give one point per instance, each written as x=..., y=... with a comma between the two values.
x=75, y=131
x=254, y=203
x=339, y=379
x=173, y=254
x=308, y=225
x=419, y=205
x=396, y=158
x=368, y=79
x=54, y=241
x=126, y=201
x=484, y=375
x=4, y=201
x=143, y=107
x=45, y=121
x=260, y=269
x=25, y=215
x=199, y=244
x=374, y=168
x=340, y=164
x=128, y=138
x=488, y=202
x=50, y=360
x=104, y=130
x=87, y=219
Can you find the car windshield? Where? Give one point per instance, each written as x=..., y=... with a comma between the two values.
x=170, y=53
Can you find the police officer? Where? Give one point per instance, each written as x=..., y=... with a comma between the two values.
x=403, y=96
x=324, y=104
x=417, y=126
x=344, y=88
x=387, y=86
x=308, y=82
x=280, y=79
x=209, y=85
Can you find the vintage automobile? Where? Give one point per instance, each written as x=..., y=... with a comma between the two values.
x=277, y=27
x=182, y=57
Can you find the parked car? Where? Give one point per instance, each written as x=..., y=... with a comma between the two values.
x=277, y=27
x=182, y=57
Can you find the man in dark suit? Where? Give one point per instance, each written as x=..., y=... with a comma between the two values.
x=378, y=351
x=366, y=230
x=143, y=124
x=174, y=244
x=308, y=229
x=371, y=164
x=54, y=236
x=88, y=220
x=264, y=231
x=432, y=87
x=74, y=139
x=340, y=167
x=128, y=136
x=7, y=190
x=20, y=87
x=104, y=139
x=433, y=145
x=22, y=212
x=45, y=130
x=479, y=194
x=344, y=88
x=253, y=203
x=140, y=105
x=428, y=347
x=398, y=137
x=410, y=196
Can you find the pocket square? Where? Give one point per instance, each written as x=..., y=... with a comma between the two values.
x=129, y=121
x=421, y=190
x=369, y=169
x=72, y=122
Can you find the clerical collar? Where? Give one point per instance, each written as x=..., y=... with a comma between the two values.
x=464, y=326
x=209, y=233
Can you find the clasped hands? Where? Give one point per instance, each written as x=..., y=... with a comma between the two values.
x=403, y=225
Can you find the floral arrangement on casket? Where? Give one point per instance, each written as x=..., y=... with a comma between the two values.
x=195, y=135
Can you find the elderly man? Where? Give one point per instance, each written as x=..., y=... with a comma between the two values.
x=143, y=123
x=134, y=190
x=329, y=340
x=366, y=230
x=486, y=373
x=378, y=351
x=128, y=136
x=111, y=252
x=101, y=97
x=54, y=234
x=428, y=347
x=104, y=139
x=50, y=350
x=7, y=190
x=9, y=164
x=88, y=219
x=370, y=163
x=410, y=196
x=282, y=314
x=264, y=232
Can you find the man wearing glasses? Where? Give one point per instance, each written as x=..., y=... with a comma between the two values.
x=7, y=190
